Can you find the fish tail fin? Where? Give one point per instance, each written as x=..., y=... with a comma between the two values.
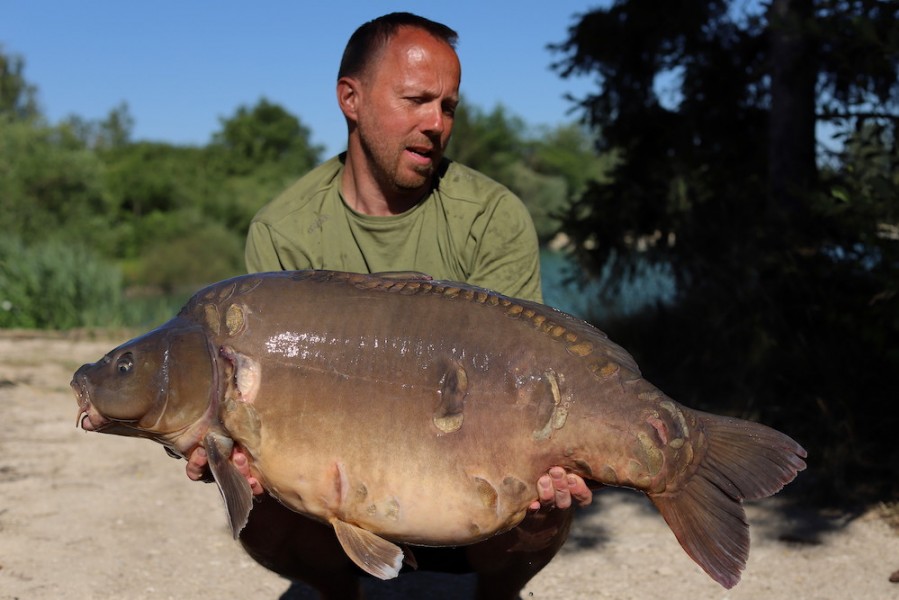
x=741, y=460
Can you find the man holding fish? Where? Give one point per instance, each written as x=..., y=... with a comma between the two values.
x=393, y=202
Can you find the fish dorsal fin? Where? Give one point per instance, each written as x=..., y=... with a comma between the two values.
x=235, y=490
x=372, y=553
x=404, y=275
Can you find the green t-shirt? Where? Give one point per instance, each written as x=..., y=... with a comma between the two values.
x=469, y=228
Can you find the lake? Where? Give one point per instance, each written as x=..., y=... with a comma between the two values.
x=652, y=284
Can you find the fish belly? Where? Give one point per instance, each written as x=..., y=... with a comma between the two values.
x=378, y=460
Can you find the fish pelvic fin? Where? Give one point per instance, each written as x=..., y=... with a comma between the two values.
x=372, y=553
x=235, y=490
x=743, y=460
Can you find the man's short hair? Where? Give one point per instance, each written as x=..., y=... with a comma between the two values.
x=370, y=38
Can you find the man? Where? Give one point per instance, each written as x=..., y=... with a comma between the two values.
x=392, y=202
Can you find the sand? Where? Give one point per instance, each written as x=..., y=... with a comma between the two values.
x=84, y=515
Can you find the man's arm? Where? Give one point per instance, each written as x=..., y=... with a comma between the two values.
x=507, y=257
x=260, y=252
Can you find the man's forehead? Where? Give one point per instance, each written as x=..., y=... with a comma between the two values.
x=417, y=51
x=417, y=44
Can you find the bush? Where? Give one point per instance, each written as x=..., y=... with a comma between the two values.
x=54, y=285
x=203, y=255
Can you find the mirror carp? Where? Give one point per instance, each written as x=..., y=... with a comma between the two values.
x=402, y=410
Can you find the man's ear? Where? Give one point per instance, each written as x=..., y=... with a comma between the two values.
x=348, y=89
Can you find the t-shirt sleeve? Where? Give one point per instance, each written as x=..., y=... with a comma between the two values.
x=261, y=253
x=508, y=255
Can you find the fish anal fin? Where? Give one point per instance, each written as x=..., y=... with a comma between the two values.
x=235, y=489
x=741, y=460
x=372, y=553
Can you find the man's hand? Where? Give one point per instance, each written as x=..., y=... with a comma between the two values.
x=557, y=489
x=197, y=467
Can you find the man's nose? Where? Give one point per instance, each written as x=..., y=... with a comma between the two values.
x=435, y=119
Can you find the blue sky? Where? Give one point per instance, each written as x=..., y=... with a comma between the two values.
x=183, y=65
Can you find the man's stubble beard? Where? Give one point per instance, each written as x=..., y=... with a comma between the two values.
x=384, y=164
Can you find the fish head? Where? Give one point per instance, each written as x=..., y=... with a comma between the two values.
x=158, y=385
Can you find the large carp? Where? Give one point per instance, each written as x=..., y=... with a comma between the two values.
x=404, y=410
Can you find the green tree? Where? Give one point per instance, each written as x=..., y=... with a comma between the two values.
x=112, y=132
x=17, y=96
x=487, y=141
x=787, y=276
x=153, y=176
x=545, y=168
x=263, y=135
x=202, y=253
x=568, y=151
x=50, y=183
x=563, y=161
x=164, y=218
x=260, y=151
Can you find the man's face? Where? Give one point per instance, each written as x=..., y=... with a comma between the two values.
x=406, y=115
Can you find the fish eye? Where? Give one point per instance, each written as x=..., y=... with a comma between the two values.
x=125, y=363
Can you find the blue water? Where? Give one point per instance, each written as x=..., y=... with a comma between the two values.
x=652, y=284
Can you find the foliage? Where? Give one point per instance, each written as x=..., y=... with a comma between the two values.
x=17, y=96
x=201, y=253
x=546, y=169
x=56, y=285
x=166, y=218
x=262, y=135
x=786, y=276
x=112, y=132
x=172, y=218
x=49, y=182
x=487, y=141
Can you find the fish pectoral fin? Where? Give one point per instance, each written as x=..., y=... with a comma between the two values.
x=372, y=553
x=233, y=486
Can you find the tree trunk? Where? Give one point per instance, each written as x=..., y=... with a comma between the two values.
x=792, y=171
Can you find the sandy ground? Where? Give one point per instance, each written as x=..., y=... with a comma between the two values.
x=93, y=516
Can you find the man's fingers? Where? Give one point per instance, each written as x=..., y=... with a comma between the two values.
x=582, y=494
x=558, y=489
x=196, y=464
x=239, y=459
x=545, y=493
x=552, y=491
x=198, y=461
x=561, y=495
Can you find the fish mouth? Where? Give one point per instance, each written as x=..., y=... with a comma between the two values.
x=88, y=418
